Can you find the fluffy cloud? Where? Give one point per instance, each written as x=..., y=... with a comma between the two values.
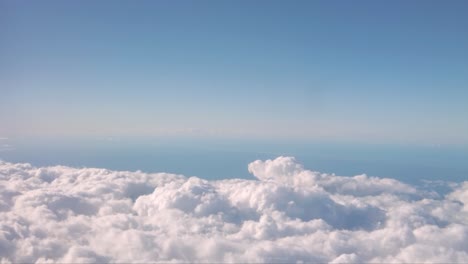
x=289, y=214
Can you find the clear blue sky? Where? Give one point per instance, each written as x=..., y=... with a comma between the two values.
x=378, y=71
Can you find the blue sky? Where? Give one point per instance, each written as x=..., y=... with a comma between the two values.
x=370, y=71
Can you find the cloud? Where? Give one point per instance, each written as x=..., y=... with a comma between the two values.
x=288, y=214
x=6, y=147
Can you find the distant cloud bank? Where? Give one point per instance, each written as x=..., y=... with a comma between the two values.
x=289, y=214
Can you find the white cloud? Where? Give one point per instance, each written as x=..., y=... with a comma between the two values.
x=6, y=147
x=63, y=214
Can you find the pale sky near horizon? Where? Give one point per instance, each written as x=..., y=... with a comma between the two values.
x=377, y=71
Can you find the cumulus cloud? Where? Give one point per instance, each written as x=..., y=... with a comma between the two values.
x=288, y=214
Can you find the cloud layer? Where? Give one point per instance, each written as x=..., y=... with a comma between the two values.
x=289, y=214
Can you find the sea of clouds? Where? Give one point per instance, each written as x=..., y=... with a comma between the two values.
x=288, y=214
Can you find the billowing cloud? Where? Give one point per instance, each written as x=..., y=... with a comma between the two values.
x=289, y=214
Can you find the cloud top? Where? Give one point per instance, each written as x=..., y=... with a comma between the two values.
x=289, y=214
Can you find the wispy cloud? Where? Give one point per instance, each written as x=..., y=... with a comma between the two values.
x=6, y=147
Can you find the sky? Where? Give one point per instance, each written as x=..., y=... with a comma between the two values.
x=368, y=71
x=264, y=80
